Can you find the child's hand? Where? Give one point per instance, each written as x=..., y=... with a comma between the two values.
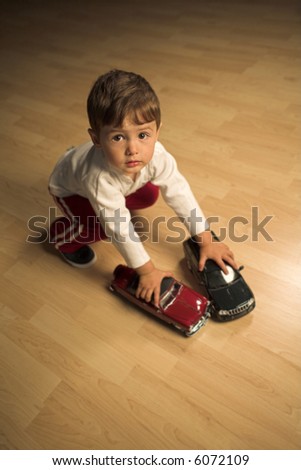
x=150, y=279
x=218, y=251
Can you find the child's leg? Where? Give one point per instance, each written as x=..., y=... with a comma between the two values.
x=143, y=197
x=79, y=227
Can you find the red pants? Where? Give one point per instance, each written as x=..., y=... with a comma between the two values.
x=81, y=226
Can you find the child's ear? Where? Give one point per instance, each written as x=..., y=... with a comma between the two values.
x=94, y=138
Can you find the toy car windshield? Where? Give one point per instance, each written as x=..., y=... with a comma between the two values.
x=216, y=276
x=170, y=296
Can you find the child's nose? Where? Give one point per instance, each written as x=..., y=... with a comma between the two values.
x=131, y=148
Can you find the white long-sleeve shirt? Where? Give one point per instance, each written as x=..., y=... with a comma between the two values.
x=85, y=171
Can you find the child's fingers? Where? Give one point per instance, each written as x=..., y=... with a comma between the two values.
x=149, y=295
x=223, y=266
x=202, y=262
x=230, y=260
x=151, y=292
x=140, y=292
x=156, y=297
x=144, y=293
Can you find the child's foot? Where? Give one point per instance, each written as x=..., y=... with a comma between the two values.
x=84, y=257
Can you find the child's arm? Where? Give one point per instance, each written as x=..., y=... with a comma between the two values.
x=212, y=249
x=150, y=279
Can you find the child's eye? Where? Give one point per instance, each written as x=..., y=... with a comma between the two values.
x=117, y=138
x=143, y=135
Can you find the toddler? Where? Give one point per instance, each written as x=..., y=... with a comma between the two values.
x=122, y=169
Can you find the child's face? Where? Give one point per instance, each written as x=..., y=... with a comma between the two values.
x=129, y=147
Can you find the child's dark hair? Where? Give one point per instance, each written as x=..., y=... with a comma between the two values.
x=118, y=94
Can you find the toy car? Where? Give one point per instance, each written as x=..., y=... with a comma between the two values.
x=229, y=294
x=179, y=305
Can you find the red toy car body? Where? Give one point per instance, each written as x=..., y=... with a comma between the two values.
x=180, y=306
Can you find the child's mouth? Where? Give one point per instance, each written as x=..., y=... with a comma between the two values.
x=133, y=163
